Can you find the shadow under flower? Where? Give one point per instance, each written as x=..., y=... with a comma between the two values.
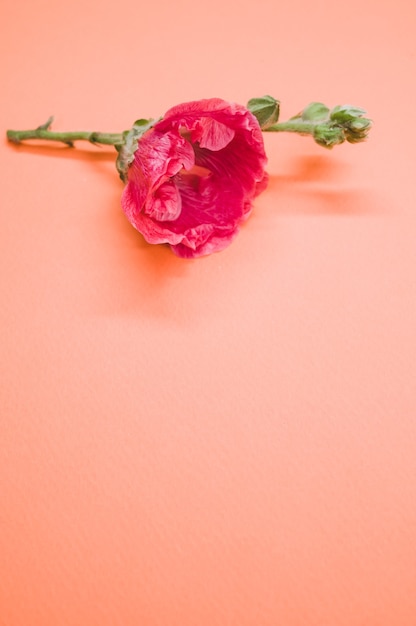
x=314, y=186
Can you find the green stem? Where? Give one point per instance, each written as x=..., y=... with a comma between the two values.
x=293, y=126
x=43, y=132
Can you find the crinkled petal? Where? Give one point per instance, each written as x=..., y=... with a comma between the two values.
x=165, y=203
x=239, y=163
x=160, y=156
x=211, y=134
x=215, y=243
x=197, y=109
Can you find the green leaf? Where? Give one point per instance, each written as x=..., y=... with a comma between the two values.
x=265, y=109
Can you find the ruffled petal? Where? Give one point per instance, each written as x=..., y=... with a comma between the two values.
x=160, y=156
x=165, y=203
x=215, y=243
x=211, y=134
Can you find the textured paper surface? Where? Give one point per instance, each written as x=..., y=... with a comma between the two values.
x=229, y=441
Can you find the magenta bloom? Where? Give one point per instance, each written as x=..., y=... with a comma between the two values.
x=194, y=176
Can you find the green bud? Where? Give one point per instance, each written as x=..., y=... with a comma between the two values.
x=265, y=109
x=357, y=130
x=359, y=124
x=128, y=148
x=327, y=136
x=345, y=113
x=315, y=112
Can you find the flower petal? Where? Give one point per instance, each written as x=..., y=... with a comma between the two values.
x=165, y=203
x=212, y=135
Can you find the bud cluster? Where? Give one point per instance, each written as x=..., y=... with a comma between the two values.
x=342, y=123
x=328, y=127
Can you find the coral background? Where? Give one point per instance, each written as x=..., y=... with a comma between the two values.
x=229, y=441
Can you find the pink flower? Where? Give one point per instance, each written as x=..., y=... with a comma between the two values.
x=194, y=176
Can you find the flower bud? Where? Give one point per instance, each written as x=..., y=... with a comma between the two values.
x=346, y=113
x=328, y=136
x=265, y=109
x=351, y=120
x=315, y=112
x=357, y=130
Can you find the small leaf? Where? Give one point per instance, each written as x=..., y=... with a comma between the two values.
x=265, y=109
